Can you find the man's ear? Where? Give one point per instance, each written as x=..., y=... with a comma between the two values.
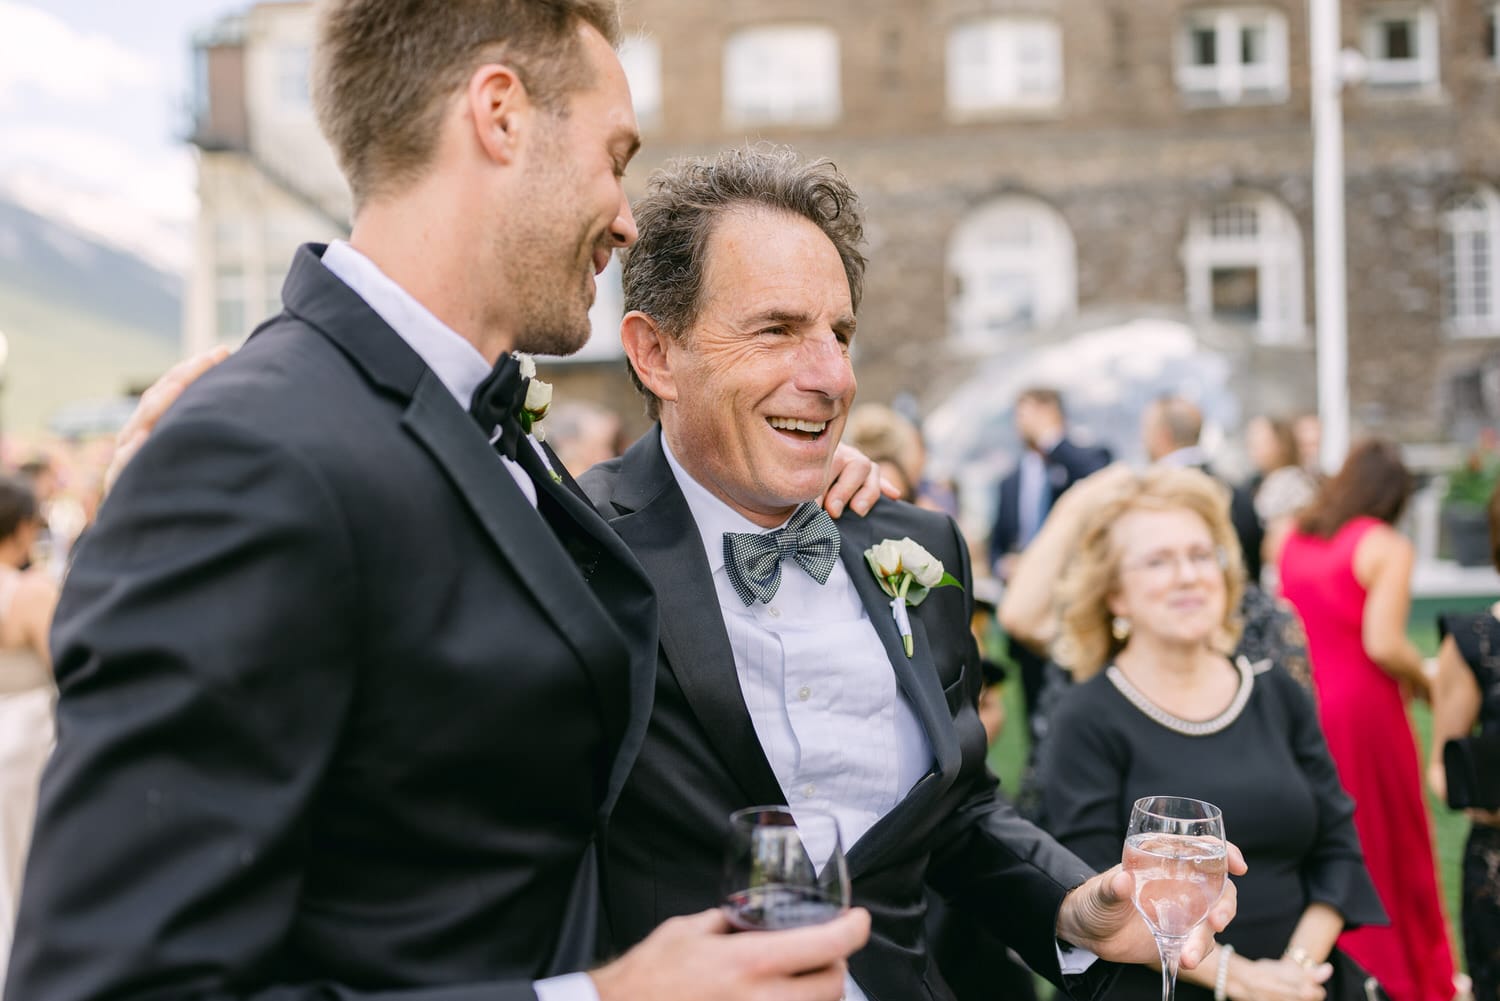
x=500, y=110
x=646, y=345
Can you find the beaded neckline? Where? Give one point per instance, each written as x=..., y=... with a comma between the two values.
x=1188, y=728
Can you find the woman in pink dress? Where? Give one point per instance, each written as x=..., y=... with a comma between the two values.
x=1348, y=572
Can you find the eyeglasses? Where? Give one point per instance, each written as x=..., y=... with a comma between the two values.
x=1164, y=565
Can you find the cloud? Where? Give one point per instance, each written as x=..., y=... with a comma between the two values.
x=41, y=54
x=140, y=200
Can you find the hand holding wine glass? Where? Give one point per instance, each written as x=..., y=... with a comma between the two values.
x=1176, y=853
x=782, y=871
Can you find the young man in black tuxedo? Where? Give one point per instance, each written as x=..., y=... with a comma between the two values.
x=346, y=696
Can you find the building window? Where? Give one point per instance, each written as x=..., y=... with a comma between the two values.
x=641, y=57
x=1004, y=62
x=1244, y=267
x=1013, y=266
x=1492, y=33
x=1471, y=272
x=230, y=304
x=782, y=75
x=1401, y=47
x=293, y=66
x=1231, y=55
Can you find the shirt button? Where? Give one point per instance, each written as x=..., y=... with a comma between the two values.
x=808, y=790
x=773, y=611
x=804, y=693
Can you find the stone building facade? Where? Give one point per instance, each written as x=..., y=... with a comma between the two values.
x=1030, y=167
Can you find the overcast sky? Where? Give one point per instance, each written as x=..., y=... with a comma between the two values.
x=93, y=98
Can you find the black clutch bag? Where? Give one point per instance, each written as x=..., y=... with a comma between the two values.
x=1473, y=767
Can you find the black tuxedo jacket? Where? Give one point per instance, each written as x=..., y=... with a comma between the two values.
x=1066, y=464
x=702, y=760
x=339, y=715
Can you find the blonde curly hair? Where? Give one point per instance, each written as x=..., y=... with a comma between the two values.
x=1084, y=640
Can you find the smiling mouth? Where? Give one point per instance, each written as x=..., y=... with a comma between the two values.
x=795, y=427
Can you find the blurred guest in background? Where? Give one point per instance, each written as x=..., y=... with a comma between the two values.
x=1308, y=429
x=892, y=442
x=1348, y=573
x=1280, y=486
x=1147, y=627
x=583, y=433
x=1465, y=695
x=1048, y=467
x=1171, y=427
x=26, y=691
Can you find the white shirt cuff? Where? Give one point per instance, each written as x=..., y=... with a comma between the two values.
x=1071, y=960
x=570, y=987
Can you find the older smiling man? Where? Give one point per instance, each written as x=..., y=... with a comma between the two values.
x=797, y=679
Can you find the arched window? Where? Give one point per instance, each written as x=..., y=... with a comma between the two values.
x=1243, y=259
x=1014, y=268
x=782, y=75
x=1471, y=274
x=997, y=63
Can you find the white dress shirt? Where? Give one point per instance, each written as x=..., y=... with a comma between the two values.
x=460, y=367
x=835, y=728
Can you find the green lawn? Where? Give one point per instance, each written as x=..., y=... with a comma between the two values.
x=1450, y=829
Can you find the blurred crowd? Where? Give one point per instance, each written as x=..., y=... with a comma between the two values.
x=1114, y=597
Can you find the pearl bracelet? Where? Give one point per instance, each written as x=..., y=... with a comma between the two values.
x=1221, y=980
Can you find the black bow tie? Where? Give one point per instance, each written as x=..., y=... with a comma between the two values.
x=497, y=405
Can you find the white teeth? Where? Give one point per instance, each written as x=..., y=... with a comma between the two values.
x=793, y=424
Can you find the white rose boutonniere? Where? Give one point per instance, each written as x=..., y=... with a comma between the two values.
x=906, y=572
x=538, y=399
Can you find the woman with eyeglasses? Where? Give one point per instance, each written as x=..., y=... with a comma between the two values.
x=1348, y=572
x=1146, y=625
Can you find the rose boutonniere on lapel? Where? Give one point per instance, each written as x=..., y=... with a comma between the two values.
x=538, y=399
x=906, y=572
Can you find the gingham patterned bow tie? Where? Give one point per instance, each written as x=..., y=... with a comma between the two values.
x=753, y=560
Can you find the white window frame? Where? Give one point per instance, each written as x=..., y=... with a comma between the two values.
x=1270, y=241
x=1420, y=72
x=640, y=55
x=1041, y=264
x=1470, y=269
x=1003, y=63
x=1231, y=80
x=782, y=74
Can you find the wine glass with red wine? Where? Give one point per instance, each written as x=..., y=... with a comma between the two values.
x=784, y=871
x=1175, y=850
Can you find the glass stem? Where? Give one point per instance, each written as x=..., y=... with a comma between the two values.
x=1171, y=957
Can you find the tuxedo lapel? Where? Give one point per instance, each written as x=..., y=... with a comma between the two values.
x=658, y=526
x=917, y=677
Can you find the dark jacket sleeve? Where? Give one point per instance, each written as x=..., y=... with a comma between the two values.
x=1334, y=870
x=1082, y=775
x=204, y=649
x=1002, y=870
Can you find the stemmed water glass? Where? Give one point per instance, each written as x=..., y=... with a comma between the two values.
x=1175, y=849
x=782, y=871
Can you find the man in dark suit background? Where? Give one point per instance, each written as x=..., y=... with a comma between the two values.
x=784, y=679
x=1050, y=464
x=345, y=694
x=1171, y=427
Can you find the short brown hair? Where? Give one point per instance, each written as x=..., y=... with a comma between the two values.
x=1373, y=482
x=663, y=272
x=382, y=70
x=1085, y=643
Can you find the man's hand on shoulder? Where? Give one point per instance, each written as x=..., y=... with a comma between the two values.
x=856, y=483
x=154, y=402
x=695, y=956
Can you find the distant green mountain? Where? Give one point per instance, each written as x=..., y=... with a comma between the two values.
x=84, y=322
